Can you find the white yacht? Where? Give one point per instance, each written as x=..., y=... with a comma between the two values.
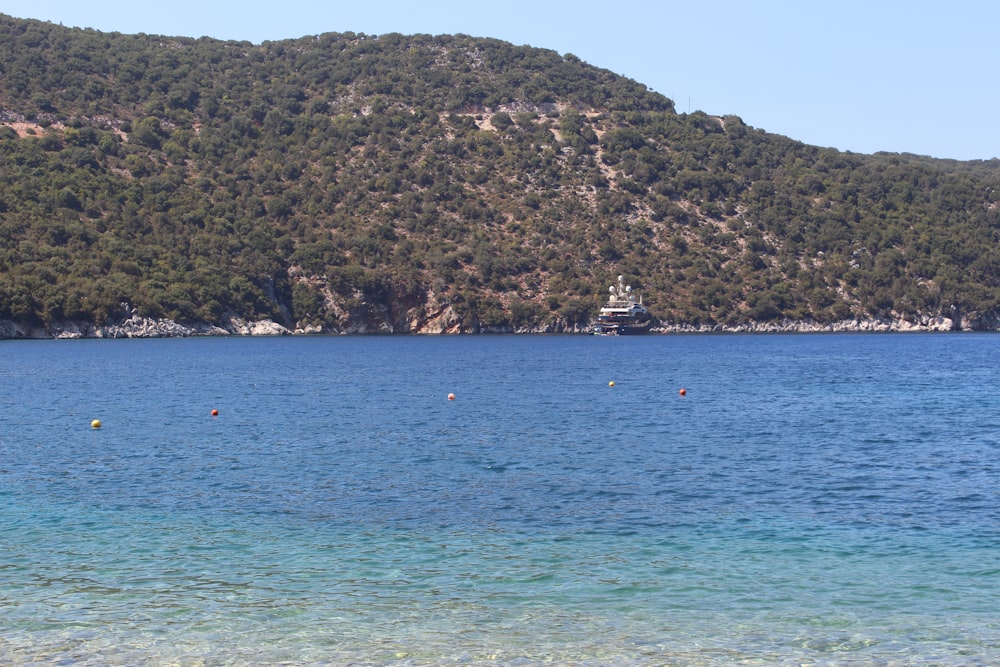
x=623, y=314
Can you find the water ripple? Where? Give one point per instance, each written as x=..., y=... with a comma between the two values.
x=819, y=500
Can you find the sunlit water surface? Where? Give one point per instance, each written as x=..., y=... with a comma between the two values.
x=819, y=500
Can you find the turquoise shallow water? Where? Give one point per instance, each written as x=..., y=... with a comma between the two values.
x=821, y=500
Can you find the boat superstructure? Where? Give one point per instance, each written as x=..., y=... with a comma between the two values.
x=623, y=314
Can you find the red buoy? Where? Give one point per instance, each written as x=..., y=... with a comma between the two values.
x=683, y=391
x=451, y=397
x=215, y=413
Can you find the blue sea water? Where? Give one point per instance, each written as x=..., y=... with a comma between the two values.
x=811, y=500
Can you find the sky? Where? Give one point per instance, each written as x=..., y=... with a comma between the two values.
x=903, y=76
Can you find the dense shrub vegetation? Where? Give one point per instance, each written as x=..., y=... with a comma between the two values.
x=335, y=177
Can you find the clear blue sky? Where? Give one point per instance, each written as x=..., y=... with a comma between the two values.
x=912, y=76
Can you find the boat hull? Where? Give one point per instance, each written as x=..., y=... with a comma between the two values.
x=622, y=328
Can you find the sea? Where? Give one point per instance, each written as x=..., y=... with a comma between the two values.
x=704, y=500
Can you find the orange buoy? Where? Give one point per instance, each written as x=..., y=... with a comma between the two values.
x=215, y=413
x=451, y=397
x=683, y=391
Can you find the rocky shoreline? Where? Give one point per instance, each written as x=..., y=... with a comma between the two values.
x=144, y=327
x=139, y=327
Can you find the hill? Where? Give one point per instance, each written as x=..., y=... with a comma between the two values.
x=355, y=183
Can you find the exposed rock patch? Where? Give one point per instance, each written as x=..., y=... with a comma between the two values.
x=139, y=327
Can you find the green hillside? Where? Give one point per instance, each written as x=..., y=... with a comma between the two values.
x=345, y=182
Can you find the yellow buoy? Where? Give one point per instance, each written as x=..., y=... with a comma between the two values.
x=611, y=384
x=95, y=424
